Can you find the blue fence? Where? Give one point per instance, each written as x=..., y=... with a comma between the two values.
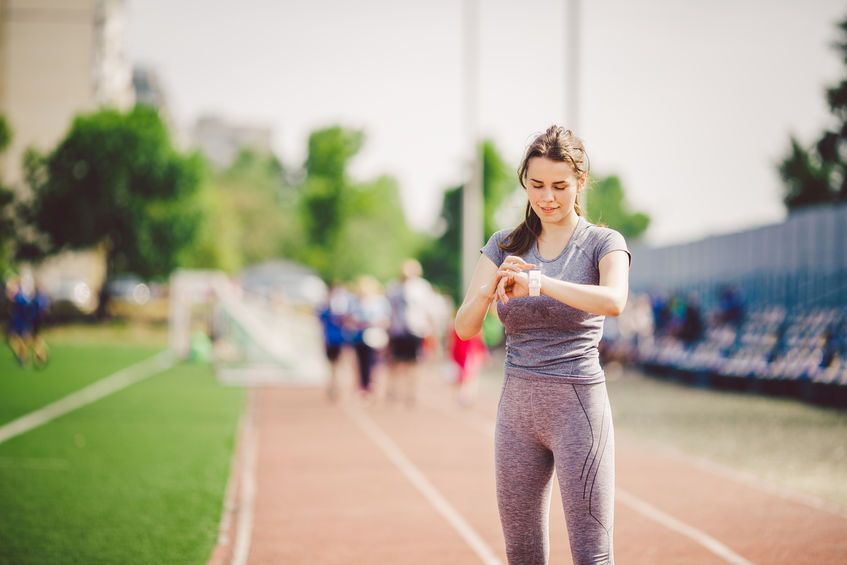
x=801, y=263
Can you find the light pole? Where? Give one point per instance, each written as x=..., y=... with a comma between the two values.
x=572, y=71
x=472, y=227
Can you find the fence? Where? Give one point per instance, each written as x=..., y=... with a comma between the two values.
x=800, y=263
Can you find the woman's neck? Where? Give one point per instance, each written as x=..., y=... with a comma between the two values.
x=554, y=237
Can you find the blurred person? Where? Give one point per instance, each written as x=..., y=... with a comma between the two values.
x=555, y=277
x=331, y=316
x=413, y=302
x=368, y=319
x=469, y=355
x=38, y=309
x=660, y=308
x=691, y=327
x=730, y=305
x=17, y=327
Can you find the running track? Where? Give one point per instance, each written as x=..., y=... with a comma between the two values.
x=351, y=483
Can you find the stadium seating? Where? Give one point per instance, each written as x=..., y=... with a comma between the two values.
x=777, y=351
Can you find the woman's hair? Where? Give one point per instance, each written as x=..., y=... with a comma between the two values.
x=556, y=144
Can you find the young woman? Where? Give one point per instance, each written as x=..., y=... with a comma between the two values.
x=555, y=277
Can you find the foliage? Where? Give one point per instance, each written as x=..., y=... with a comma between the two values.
x=605, y=204
x=5, y=134
x=7, y=203
x=818, y=174
x=250, y=215
x=116, y=180
x=441, y=259
x=349, y=228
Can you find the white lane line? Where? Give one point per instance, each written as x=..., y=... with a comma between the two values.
x=672, y=523
x=747, y=479
x=487, y=427
x=91, y=393
x=247, y=498
x=419, y=480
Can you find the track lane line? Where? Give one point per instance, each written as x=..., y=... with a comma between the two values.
x=423, y=485
x=487, y=427
x=649, y=511
x=247, y=486
x=87, y=395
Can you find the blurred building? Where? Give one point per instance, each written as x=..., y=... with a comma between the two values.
x=148, y=88
x=221, y=141
x=58, y=58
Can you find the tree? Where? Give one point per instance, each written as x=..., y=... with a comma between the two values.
x=374, y=237
x=251, y=216
x=605, y=204
x=349, y=228
x=818, y=175
x=116, y=180
x=7, y=203
x=441, y=259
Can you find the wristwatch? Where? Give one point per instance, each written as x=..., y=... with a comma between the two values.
x=534, y=282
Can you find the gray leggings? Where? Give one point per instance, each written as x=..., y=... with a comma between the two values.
x=542, y=423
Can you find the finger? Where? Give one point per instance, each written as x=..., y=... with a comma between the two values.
x=501, y=292
x=518, y=263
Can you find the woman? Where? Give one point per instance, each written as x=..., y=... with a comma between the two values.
x=368, y=319
x=555, y=277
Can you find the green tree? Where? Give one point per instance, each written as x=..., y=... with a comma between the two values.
x=441, y=258
x=322, y=197
x=251, y=215
x=605, y=204
x=116, y=180
x=7, y=204
x=374, y=237
x=818, y=174
x=348, y=228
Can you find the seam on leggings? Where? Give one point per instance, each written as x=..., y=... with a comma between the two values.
x=596, y=453
x=533, y=419
x=597, y=472
x=605, y=444
x=503, y=391
x=591, y=429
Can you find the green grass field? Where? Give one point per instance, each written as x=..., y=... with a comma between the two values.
x=787, y=442
x=136, y=477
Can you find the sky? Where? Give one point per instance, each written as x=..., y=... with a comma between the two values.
x=691, y=104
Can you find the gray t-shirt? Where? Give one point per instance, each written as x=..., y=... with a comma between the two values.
x=544, y=336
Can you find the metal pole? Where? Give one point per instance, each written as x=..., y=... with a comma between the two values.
x=572, y=68
x=472, y=227
x=572, y=72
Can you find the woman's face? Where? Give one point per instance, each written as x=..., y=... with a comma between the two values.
x=552, y=187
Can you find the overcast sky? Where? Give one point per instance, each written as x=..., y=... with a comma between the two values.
x=691, y=104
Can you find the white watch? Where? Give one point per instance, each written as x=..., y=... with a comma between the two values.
x=535, y=282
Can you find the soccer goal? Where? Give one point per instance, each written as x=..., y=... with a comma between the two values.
x=248, y=339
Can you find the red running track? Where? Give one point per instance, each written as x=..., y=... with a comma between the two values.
x=351, y=482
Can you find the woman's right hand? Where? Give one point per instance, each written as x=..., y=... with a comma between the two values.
x=512, y=279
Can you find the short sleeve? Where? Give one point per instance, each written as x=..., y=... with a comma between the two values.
x=492, y=249
x=612, y=241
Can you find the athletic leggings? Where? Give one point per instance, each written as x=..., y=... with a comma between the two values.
x=542, y=424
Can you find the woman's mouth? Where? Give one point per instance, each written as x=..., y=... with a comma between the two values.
x=548, y=210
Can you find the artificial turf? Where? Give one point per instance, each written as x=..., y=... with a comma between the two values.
x=136, y=477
